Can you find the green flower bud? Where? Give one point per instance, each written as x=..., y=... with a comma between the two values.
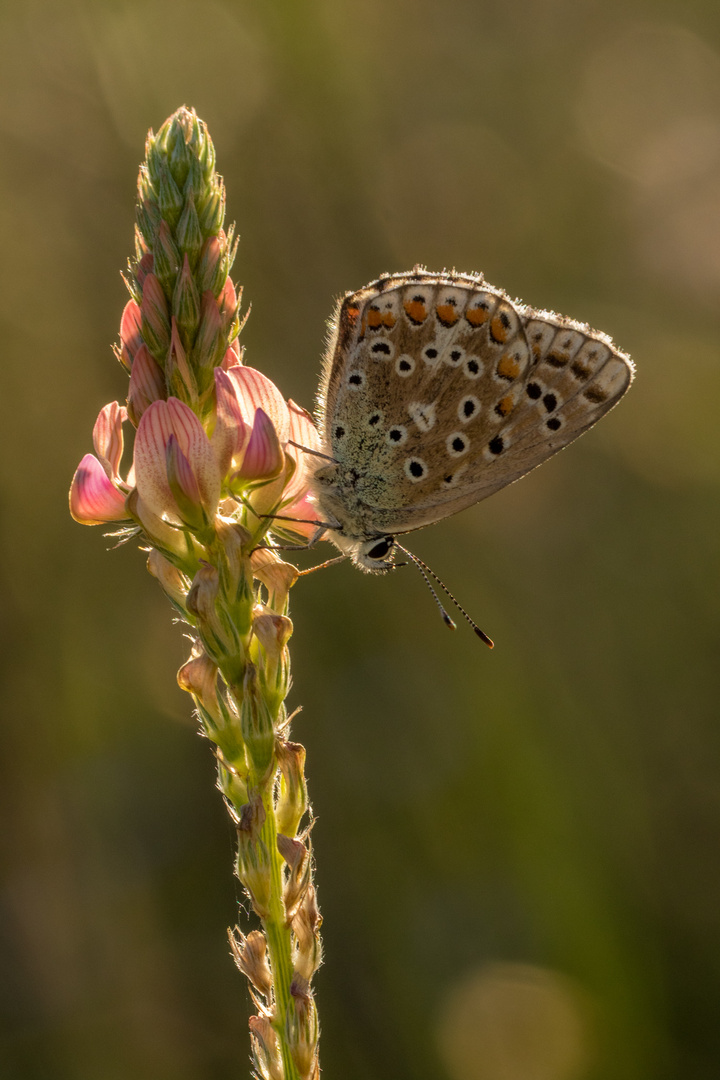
x=166, y=258
x=155, y=318
x=186, y=305
x=187, y=233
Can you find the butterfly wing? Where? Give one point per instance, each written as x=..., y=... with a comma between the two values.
x=439, y=390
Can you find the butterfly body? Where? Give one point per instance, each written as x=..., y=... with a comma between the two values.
x=437, y=391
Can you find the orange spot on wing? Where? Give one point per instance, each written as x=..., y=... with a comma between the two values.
x=374, y=318
x=389, y=320
x=499, y=329
x=505, y=406
x=447, y=314
x=477, y=316
x=416, y=310
x=508, y=368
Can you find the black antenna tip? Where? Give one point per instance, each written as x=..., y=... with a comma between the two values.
x=448, y=621
x=483, y=636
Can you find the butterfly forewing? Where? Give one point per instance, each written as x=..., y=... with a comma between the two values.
x=439, y=390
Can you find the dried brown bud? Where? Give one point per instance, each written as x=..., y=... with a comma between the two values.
x=253, y=858
x=266, y=1050
x=277, y=576
x=250, y=954
x=306, y=924
x=297, y=856
x=303, y=1030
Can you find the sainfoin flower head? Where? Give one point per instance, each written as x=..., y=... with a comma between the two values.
x=220, y=463
x=180, y=473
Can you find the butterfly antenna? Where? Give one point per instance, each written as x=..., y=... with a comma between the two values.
x=425, y=570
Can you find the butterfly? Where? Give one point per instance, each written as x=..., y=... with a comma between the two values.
x=438, y=390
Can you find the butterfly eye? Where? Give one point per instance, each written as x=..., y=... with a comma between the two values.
x=382, y=549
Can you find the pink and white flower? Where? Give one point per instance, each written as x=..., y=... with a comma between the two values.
x=98, y=492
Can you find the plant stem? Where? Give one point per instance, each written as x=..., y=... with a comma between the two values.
x=279, y=940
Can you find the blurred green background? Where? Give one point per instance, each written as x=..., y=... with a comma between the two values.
x=518, y=852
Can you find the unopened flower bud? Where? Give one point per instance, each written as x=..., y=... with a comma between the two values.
x=254, y=864
x=228, y=304
x=292, y=796
x=169, y=196
x=212, y=267
x=186, y=304
x=188, y=234
x=233, y=355
x=180, y=156
x=167, y=258
x=250, y=955
x=144, y=267
x=155, y=318
x=178, y=373
x=147, y=384
x=209, y=345
x=147, y=211
x=211, y=209
x=130, y=333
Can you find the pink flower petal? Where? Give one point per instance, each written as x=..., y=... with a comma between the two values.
x=231, y=433
x=130, y=322
x=255, y=391
x=180, y=471
x=233, y=355
x=94, y=499
x=228, y=303
x=145, y=265
x=147, y=384
x=306, y=514
x=108, y=438
x=263, y=457
x=303, y=432
x=161, y=420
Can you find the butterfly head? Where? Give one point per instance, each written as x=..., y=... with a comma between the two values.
x=375, y=556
